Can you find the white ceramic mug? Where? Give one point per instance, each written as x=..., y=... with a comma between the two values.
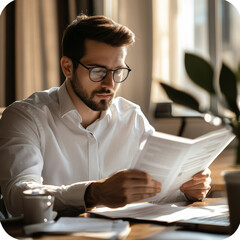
x=232, y=181
x=38, y=206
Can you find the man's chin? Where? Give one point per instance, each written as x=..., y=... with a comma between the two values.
x=102, y=105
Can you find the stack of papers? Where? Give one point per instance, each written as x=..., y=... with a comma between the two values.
x=164, y=213
x=87, y=227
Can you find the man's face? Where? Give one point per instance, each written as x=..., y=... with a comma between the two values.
x=98, y=95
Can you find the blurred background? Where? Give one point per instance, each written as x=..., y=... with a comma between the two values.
x=31, y=32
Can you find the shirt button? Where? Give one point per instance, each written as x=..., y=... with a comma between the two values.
x=91, y=135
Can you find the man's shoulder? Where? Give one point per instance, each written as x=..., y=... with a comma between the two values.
x=37, y=100
x=43, y=97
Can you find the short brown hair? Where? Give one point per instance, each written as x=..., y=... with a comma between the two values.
x=98, y=28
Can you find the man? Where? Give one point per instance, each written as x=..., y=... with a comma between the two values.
x=78, y=141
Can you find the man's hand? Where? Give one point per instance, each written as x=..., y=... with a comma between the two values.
x=123, y=187
x=197, y=188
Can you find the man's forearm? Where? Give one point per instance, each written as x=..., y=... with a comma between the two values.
x=65, y=196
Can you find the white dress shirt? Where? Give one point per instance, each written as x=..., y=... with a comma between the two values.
x=42, y=143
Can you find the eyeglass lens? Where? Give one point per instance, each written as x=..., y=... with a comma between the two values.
x=98, y=74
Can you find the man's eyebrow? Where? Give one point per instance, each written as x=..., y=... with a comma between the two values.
x=99, y=65
x=95, y=65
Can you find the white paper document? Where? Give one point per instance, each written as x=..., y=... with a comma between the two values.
x=88, y=227
x=173, y=160
x=164, y=212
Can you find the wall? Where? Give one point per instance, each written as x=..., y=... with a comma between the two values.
x=137, y=15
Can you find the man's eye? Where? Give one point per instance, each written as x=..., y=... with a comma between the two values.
x=99, y=71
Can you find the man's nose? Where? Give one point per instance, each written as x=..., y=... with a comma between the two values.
x=108, y=80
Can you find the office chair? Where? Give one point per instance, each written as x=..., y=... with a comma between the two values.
x=3, y=211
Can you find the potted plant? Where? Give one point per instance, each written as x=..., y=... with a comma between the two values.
x=225, y=92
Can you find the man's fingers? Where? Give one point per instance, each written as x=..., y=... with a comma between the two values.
x=195, y=195
x=134, y=178
x=144, y=190
x=195, y=186
x=133, y=183
x=196, y=192
x=193, y=182
x=199, y=187
x=202, y=175
x=126, y=186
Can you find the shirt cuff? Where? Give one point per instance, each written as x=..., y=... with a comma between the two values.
x=73, y=194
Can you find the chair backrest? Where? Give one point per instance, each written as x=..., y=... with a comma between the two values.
x=1, y=111
x=3, y=211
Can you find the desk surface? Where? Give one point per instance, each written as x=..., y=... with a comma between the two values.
x=139, y=231
x=143, y=231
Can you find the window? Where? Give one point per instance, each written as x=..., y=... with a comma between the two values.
x=207, y=28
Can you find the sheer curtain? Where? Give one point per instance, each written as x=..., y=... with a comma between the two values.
x=37, y=56
x=179, y=26
x=30, y=37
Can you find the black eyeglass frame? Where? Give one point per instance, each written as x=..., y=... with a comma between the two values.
x=108, y=70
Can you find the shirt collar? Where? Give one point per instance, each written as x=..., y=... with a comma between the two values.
x=107, y=113
x=65, y=102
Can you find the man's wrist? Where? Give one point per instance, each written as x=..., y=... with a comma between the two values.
x=91, y=196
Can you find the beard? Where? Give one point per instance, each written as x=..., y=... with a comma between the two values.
x=88, y=99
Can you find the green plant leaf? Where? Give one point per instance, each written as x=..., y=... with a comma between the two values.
x=228, y=86
x=200, y=72
x=181, y=97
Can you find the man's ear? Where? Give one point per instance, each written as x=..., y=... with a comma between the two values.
x=67, y=66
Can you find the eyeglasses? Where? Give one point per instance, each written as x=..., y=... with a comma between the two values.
x=97, y=74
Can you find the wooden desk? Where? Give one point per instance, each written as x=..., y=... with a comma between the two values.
x=139, y=231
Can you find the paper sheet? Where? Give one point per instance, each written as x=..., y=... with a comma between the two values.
x=102, y=228
x=173, y=160
x=167, y=213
